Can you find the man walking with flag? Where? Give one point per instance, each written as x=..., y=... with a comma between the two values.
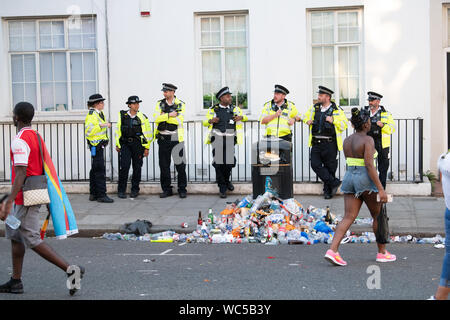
x=26, y=161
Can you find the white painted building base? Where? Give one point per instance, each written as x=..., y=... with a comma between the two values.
x=397, y=189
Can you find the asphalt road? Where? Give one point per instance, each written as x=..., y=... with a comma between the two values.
x=116, y=270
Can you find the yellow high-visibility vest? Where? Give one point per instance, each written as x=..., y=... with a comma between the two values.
x=278, y=127
x=92, y=130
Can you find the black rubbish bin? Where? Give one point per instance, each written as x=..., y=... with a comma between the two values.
x=272, y=158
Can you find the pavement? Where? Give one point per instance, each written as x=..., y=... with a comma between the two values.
x=418, y=216
x=116, y=270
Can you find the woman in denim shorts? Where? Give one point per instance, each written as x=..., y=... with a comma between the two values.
x=360, y=184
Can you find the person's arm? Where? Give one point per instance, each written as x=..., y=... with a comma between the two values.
x=340, y=121
x=267, y=119
x=369, y=151
x=388, y=124
x=19, y=180
x=118, y=132
x=307, y=119
x=158, y=115
x=241, y=116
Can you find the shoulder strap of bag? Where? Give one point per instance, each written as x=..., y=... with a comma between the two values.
x=40, y=151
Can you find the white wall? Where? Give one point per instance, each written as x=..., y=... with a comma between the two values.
x=144, y=52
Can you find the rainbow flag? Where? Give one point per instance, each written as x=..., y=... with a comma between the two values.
x=63, y=218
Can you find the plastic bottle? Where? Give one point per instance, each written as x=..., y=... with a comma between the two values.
x=12, y=222
x=245, y=202
x=210, y=216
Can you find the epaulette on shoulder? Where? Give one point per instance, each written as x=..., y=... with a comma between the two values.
x=91, y=112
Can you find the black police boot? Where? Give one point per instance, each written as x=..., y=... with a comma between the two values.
x=134, y=194
x=105, y=199
x=166, y=194
x=82, y=271
x=122, y=195
x=230, y=186
x=12, y=286
x=182, y=194
x=335, y=187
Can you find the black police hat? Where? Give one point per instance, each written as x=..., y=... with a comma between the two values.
x=279, y=88
x=168, y=87
x=95, y=98
x=325, y=90
x=374, y=96
x=133, y=99
x=223, y=91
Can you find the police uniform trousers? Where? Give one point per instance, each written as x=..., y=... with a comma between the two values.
x=223, y=159
x=97, y=175
x=166, y=148
x=131, y=152
x=382, y=161
x=324, y=163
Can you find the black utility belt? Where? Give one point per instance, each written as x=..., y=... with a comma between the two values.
x=316, y=140
x=131, y=139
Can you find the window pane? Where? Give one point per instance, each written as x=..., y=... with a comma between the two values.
x=60, y=68
x=75, y=41
x=353, y=91
x=343, y=61
x=352, y=19
x=29, y=68
x=90, y=88
x=328, y=27
x=215, y=24
x=61, y=96
x=89, y=41
x=22, y=36
x=88, y=25
x=15, y=28
x=316, y=28
x=328, y=60
x=236, y=69
x=77, y=95
x=76, y=67
x=30, y=93
x=47, y=96
x=51, y=34
x=18, y=92
x=45, y=42
x=15, y=43
x=17, y=68
x=317, y=61
x=211, y=75
x=89, y=66
x=204, y=24
x=353, y=61
x=343, y=92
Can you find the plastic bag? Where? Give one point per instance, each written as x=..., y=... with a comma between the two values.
x=139, y=227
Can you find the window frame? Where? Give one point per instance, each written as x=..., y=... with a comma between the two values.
x=199, y=49
x=336, y=45
x=67, y=50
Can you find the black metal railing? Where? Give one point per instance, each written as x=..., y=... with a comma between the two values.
x=68, y=149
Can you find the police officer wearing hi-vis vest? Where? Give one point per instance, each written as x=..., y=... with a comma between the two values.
x=224, y=122
x=169, y=117
x=279, y=114
x=133, y=138
x=326, y=122
x=382, y=126
x=95, y=130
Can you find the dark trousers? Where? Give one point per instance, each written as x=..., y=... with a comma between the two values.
x=130, y=153
x=97, y=175
x=383, y=161
x=166, y=147
x=223, y=159
x=324, y=163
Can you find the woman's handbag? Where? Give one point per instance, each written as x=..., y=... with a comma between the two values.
x=34, y=189
x=382, y=234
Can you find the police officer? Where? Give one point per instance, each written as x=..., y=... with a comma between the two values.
x=326, y=122
x=279, y=114
x=97, y=139
x=133, y=138
x=382, y=126
x=224, y=122
x=169, y=117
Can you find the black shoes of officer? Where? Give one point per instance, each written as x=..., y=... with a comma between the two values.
x=230, y=186
x=105, y=199
x=166, y=194
x=223, y=195
x=182, y=194
x=12, y=286
x=134, y=194
x=82, y=271
x=92, y=198
x=122, y=195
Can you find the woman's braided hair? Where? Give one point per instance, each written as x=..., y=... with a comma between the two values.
x=359, y=117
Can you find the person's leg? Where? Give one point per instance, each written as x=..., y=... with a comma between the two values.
x=383, y=165
x=352, y=207
x=98, y=163
x=137, y=156
x=370, y=199
x=124, y=163
x=18, y=253
x=92, y=190
x=444, y=285
x=46, y=252
x=177, y=152
x=330, y=163
x=317, y=165
x=164, y=155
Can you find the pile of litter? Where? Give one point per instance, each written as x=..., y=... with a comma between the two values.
x=268, y=220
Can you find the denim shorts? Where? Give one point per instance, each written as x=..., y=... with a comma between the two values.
x=357, y=181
